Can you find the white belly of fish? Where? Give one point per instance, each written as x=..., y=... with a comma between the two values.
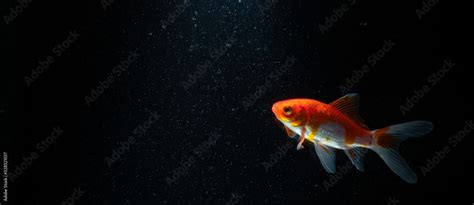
x=331, y=134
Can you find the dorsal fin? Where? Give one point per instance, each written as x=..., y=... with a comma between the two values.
x=349, y=106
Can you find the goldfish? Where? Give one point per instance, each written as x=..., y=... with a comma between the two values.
x=338, y=125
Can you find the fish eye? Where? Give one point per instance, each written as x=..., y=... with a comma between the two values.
x=287, y=110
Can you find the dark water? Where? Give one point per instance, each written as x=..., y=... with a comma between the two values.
x=176, y=110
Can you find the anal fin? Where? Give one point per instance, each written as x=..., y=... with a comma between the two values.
x=356, y=155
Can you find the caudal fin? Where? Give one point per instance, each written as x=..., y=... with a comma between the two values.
x=388, y=139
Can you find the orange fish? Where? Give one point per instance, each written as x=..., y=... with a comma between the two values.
x=338, y=125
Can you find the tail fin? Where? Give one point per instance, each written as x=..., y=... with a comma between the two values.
x=388, y=139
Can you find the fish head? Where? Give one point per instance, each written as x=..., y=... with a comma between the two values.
x=291, y=112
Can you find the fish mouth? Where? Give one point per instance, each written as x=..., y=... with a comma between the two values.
x=274, y=109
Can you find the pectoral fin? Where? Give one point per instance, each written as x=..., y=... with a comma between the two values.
x=290, y=133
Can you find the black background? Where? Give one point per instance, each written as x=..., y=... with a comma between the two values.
x=214, y=104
